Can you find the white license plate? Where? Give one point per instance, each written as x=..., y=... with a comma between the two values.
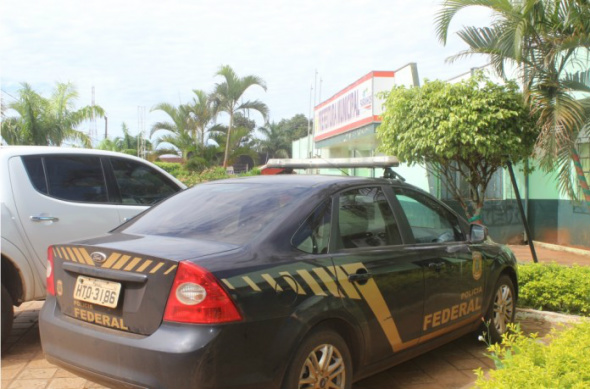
x=95, y=291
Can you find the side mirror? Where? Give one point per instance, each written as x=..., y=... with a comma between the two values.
x=478, y=233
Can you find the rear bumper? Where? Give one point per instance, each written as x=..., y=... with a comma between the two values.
x=174, y=356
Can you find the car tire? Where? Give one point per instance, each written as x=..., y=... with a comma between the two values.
x=317, y=345
x=7, y=313
x=502, y=309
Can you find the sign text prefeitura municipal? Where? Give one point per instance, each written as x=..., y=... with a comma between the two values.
x=353, y=107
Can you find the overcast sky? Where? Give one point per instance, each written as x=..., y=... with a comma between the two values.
x=140, y=53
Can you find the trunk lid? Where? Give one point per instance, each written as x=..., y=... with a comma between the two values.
x=122, y=282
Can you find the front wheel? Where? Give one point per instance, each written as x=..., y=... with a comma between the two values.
x=7, y=314
x=502, y=309
x=322, y=361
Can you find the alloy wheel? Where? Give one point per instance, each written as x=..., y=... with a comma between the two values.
x=323, y=368
x=503, y=308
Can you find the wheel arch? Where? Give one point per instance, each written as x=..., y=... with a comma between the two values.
x=351, y=337
x=12, y=280
x=511, y=272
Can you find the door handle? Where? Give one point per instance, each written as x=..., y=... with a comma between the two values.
x=437, y=266
x=44, y=219
x=360, y=277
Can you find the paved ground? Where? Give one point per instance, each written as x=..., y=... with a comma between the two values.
x=451, y=366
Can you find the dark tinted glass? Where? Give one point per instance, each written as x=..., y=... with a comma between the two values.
x=313, y=236
x=139, y=184
x=429, y=220
x=232, y=213
x=76, y=178
x=34, y=167
x=365, y=219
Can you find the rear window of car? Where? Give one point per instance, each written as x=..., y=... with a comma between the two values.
x=68, y=177
x=230, y=213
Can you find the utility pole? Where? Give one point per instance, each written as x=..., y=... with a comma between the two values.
x=309, y=121
x=140, y=129
x=92, y=128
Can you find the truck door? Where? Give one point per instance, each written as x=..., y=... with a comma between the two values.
x=60, y=199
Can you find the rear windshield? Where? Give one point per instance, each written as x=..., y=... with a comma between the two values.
x=231, y=213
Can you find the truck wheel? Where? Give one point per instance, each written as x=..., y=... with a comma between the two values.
x=502, y=308
x=322, y=361
x=7, y=314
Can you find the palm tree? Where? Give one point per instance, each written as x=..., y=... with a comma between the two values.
x=276, y=142
x=62, y=117
x=240, y=142
x=28, y=127
x=544, y=39
x=50, y=121
x=227, y=95
x=202, y=114
x=181, y=130
x=127, y=144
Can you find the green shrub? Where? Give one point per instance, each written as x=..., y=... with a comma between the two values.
x=554, y=287
x=196, y=164
x=174, y=168
x=525, y=362
x=190, y=178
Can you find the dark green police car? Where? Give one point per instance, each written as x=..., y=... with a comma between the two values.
x=291, y=281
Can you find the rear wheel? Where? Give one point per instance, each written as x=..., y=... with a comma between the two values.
x=322, y=361
x=7, y=313
x=502, y=308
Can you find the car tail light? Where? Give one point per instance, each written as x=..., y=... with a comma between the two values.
x=197, y=297
x=50, y=283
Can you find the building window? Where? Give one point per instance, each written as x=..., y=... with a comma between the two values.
x=494, y=191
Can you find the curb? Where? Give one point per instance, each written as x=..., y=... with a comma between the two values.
x=553, y=317
x=556, y=247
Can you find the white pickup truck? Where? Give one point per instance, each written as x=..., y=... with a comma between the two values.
x=50, y=195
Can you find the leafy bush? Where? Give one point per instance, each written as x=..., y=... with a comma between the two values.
x=196, y=164
x=554, y=287
x=525, y=362
x=194, y=173
x=173, y=168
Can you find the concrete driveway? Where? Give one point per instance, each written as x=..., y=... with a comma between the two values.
x=450, y=366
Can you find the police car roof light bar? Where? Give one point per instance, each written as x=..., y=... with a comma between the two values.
x=320, y=163
x=384, y=162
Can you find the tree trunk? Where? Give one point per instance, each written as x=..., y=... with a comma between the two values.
x=231, y=119
x=581, y=177
x=203, y=141
x=476, y=217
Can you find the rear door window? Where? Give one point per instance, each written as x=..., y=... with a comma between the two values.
x=313, y=237
x=34, y=167
x=365, y=219
x=140, y=184
x=74, y=178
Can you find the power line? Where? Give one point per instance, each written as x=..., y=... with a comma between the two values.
x=8, y=94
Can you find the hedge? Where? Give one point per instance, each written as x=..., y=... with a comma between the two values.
x=553, y=287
